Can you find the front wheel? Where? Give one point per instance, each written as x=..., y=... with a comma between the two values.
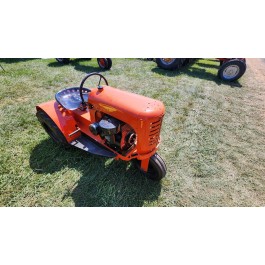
x=169, y=63
x=104, y=63
x=232, y=70
x=157, y=168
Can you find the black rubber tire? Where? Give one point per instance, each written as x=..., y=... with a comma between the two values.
x=107, y=63
x=191, y=60
x=157, y=168
x=51, y=128
x=185, y=61
x=63, y=60
x=174, y=64
x=239, y=64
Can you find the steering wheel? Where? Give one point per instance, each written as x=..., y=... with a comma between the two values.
x=84, y=80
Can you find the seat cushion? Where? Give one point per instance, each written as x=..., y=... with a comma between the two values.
x=70, y=99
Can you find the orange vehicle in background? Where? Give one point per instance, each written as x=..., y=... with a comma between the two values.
x=103, y=63
x=231, y=69
x=109, y=122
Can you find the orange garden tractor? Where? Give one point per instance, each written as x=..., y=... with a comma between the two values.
x=103, y=63
x=107, y=121
x=230, y=69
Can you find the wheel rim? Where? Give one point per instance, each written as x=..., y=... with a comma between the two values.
x=231, y=71
x=102, y=63
x=167, y=60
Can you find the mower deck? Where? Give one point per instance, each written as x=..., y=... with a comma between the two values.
x=92, y=147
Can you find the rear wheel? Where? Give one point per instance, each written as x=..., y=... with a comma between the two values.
x=104, y=63
x=187, y=61
x=156, y=169
x=169, y=63
x=232, y=70
x=63, y=60
x=51, y=128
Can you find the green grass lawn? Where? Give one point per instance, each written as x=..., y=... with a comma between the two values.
x=213, y=139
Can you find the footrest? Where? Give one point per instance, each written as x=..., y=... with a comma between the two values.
x=89, y=145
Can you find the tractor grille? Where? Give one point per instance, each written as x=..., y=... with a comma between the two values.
x=154, y=132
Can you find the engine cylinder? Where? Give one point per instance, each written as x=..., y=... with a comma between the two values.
x=109, y=126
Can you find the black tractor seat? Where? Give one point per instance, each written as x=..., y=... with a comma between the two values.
x=70, y=99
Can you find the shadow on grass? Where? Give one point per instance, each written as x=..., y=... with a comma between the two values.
x=15, y=60
x=213, y=66
x=103, y=181
x=197, y=72
x=77, y=66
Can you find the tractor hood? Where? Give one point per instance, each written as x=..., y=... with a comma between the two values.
x=118, y=102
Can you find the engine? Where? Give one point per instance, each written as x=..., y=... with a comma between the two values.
x=118, y=135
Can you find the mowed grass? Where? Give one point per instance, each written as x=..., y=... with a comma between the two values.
x=213, y=139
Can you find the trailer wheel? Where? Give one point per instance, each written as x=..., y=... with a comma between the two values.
x=169, y=63
x=51, y=128
x=104, y=63
x=232, y=70
x=156, y=169
x=63, y=60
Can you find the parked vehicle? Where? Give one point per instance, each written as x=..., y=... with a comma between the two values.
x=109, y=122
x=231, y=69
x=104, y=63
